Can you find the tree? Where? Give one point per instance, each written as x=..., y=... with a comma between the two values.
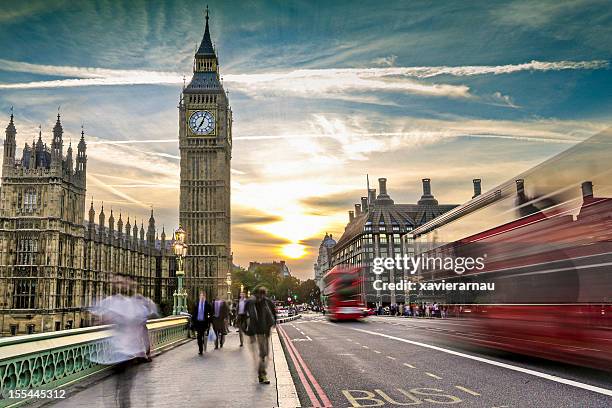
x=309, y=292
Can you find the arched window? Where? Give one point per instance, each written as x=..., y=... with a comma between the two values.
x=29, y=200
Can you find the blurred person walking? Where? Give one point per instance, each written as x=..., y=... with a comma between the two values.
x=201, y=319
x=261, y=317
x=221, y=314
x=128, y=313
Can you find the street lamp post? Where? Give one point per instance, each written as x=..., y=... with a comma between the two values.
x=180, y=251
x=229, y=286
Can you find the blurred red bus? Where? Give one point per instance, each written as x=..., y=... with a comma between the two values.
x=343, y=293
x=548, y=244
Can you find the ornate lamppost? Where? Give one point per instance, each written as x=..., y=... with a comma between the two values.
x=180, y=251
x=229, y=286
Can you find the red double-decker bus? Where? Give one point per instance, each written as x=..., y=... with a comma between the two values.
x=547, y=240
x=343, y=293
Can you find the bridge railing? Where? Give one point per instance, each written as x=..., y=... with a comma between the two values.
x=47, y=361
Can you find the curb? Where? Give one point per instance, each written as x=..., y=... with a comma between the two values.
x=287, y=396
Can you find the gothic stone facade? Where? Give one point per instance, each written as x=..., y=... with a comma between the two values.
x=53, y=263
x=205, y=143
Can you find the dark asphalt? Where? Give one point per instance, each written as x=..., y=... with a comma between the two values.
x=359, y=369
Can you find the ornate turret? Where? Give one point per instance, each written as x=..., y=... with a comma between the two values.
x=128, y=229
x=135, y=233
x=205, y=67
x=92, y=213
x=142, y=231
x=57, y=144
x=151, y=230
x=39, y=150
x=81, y=160
x=119, y=227
x=68, y=169
x=205, y=57
x=101, y=220
x=111, y=227
x=10, y=144
x=163, y=238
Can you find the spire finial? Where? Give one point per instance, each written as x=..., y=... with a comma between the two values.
x=11, y=114
x=58, y=111
x=207, y=13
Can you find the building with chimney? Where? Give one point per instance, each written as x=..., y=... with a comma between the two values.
x=323, y=263
x=375, y=229
x=54, y=263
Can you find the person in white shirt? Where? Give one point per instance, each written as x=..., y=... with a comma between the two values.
x=241, y=314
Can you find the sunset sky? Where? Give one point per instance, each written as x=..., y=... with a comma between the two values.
x=322, y=93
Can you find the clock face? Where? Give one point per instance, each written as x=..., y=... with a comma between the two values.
x=202, y=122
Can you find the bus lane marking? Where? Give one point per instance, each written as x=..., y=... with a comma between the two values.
x=433, y=376
x=464, y=389
x=409, y=365
x=399, y=396
x=561, y=380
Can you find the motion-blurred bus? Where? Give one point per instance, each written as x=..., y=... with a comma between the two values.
x=343, y=293
x=546, y=237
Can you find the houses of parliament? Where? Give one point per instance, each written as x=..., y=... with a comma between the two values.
x=56, y=261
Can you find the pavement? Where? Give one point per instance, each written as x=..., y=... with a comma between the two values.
x=385, y=361
x=180, y=377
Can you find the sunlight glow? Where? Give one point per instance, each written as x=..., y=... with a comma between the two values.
x=294, y=251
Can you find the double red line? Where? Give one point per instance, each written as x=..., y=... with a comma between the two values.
x=304, y=372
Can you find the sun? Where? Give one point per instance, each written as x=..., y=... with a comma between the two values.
x=294, y=251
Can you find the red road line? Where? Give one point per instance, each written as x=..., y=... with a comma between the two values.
x=313, y=399
x=315, y=384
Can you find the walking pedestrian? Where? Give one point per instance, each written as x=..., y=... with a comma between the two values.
x=261, y=317
x=221, y=314
x=200, y=320
x=241, y=317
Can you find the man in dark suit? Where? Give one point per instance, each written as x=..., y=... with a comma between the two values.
x=261, y=317
x=201, y=317
x=220, y=316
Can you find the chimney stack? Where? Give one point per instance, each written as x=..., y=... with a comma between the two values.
x=382, y=185
x=477, y=188
x=357, y=209
x=351, y=216
x=426, y=187
x=364, y=204
x=383, y=198
x=587, y=189
x=427, y=198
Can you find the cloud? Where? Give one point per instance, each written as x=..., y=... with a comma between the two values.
x=338, y=83
x=385, y=61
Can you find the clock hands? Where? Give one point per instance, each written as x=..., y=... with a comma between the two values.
x=201, y=123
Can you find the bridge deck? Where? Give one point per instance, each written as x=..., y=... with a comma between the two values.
x=180, y=377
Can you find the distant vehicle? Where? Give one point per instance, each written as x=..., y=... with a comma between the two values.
x=368, y=311
x=282, y=312
x=343, y=293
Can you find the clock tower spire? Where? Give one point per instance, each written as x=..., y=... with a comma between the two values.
x=205, y=144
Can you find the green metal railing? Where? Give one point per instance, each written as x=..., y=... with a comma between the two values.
x=47, y=361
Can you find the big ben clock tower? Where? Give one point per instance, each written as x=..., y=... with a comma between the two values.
x=205, y=143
